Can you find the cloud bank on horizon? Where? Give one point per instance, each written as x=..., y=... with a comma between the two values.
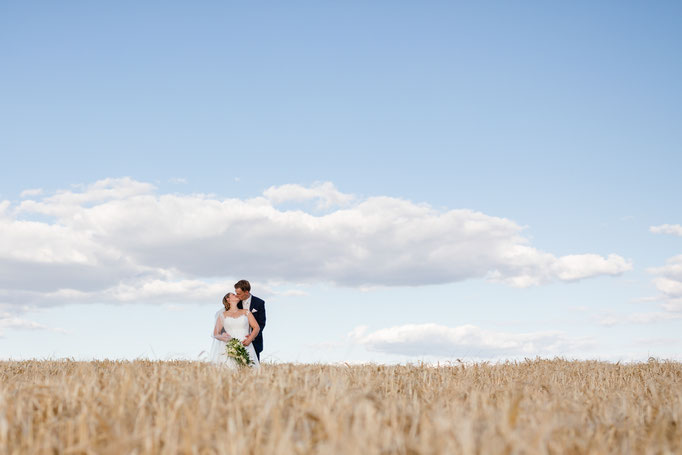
x=119, y=240
x=467, y=341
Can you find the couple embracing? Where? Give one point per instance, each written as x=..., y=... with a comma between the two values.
x=243, y=318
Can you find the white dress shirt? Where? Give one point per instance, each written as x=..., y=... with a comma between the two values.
x=246, y=304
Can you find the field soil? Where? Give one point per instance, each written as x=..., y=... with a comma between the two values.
x=147, y=407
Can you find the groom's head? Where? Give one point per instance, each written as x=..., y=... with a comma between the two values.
x=243, y=289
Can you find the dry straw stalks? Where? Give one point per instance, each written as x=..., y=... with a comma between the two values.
x=540, y=406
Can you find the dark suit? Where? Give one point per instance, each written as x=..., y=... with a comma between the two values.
x=258, y=311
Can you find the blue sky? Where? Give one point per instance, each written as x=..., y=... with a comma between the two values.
x=399, y=181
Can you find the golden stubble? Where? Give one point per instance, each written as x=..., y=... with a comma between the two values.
x=536, y=406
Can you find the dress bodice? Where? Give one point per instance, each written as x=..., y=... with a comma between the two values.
x=237, y=327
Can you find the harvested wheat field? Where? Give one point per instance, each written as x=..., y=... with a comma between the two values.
x=540, y=406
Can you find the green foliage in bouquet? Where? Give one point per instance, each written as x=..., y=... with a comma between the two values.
x=238, y=352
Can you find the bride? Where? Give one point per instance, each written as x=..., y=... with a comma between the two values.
x=233, y=323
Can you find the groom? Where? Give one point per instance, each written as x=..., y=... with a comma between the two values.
x=257, y=308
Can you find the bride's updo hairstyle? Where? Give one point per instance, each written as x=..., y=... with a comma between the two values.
x=226, y=302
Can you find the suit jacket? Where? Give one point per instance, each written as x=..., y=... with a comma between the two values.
x=258, y=312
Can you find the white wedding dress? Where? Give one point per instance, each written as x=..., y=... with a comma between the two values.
x=237, y=328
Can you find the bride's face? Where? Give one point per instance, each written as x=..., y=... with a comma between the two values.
x=233, y=299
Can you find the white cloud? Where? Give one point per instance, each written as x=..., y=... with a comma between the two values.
x=669, y=280
x=638, y=318
x=578, y=266
x=4, y=205
x=178, y=180
x=7, y=321
x=674, y=305
x=117, y=240
x=66, y=203
x=158, y=290
x=674, y=229
x=325, y=193
x=465, y=341
x=669, y=287
x=39, y=242
x=660, y=341
x=671, y=269
x=31, y=192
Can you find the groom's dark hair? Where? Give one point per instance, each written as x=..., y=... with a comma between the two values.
x=243, y=285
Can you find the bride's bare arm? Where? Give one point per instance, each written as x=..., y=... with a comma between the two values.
x=255, y=328
x=219, y=328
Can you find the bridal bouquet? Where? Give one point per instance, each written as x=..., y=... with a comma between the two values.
x=237, y=351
